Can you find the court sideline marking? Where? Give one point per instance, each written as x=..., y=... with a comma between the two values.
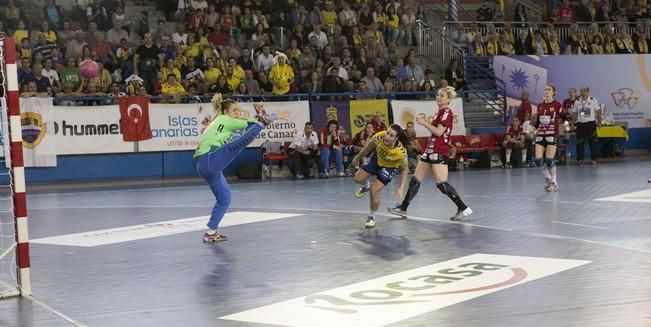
x=504, y=229
x=55, y=312
x=157, y=229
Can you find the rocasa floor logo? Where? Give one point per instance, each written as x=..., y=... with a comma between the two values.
x=407, y=294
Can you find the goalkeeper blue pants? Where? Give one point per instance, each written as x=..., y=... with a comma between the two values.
x=210, y=167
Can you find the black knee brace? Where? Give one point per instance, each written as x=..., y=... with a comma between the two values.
x=451, y=192
x=412, y=190
x=414, y=184
x=538, y=162
x=549, y=162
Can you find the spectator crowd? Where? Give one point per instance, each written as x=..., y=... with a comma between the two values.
x=232, y=47
x=573, y=27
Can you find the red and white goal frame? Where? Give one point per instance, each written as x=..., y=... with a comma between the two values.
x=13, y=149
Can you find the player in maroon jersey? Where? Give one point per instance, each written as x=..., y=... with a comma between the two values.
x=435, y=157
x=547, y=130
x=514, y=139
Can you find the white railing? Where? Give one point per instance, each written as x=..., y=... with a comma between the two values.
x=563, y=29
x=433, y=44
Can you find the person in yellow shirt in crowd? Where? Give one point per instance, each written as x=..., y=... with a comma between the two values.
x=21, y=32
x=180, y=60
x=281, y=75
x=492, y=48
x=211, y=72
x=237, y=70
x=392, y=21
x=221, y=62
x=103, y=79
x=192, y=48
x=172, y=88
x=25, y=50
x=170, y=68
x=330, y=14
x=50, y=35
x=233, y=81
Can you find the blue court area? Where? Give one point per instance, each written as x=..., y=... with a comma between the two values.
x=298, y=254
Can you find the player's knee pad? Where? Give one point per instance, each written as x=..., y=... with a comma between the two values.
x=538, y=162
x=549, y=162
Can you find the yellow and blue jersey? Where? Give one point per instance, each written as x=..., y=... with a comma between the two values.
x=389, y=157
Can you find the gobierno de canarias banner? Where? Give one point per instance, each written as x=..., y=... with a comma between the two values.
x=175, y=127
x=621, y=82
x=405, y=111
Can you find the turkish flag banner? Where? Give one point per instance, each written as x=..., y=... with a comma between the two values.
x=134, y=118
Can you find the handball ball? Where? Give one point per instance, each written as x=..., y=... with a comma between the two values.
x=88, y=69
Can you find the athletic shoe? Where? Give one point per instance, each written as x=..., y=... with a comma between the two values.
x=361, y=192
x=323, y=175
x=553, y=187
x=548, y=181
x=594, y=162
x=461, y=214
x=648, y=180
x=398, y=211
x=341, y=174
x=300, y=176
x=214, y=238
x=370, y=222
x=579, y=162
x=508, y=165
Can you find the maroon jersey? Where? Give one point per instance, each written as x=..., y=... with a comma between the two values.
x=361, y=138
x=515, y=133
x=549, y=115
x=568, y=104
x=525, y=108
x=441, y=144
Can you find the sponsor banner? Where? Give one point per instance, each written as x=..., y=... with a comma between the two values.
x=37, y=124
x=178, y=127
x=324, y=111
x=293, y=115
x=174, y=127
x=622, y=83
x=397, y=297
x=405, y=111
x=89, y=130
x=362, y=111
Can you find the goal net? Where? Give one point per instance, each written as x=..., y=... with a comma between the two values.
x=14, y=249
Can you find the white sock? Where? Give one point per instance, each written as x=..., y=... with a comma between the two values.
x=366, y=185
x=545, y=172
x=524, y=158
x=212, y=231
x=371, y=214
x=554, y=179
x=508, y=158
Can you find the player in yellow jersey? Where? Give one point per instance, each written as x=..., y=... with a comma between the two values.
x=388, y=154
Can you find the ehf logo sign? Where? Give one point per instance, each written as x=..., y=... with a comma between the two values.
x=33, y=129
x=625, y=98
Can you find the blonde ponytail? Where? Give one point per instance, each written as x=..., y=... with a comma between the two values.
x=217, y=102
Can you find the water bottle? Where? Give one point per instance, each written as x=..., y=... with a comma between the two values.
x=460, y=163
